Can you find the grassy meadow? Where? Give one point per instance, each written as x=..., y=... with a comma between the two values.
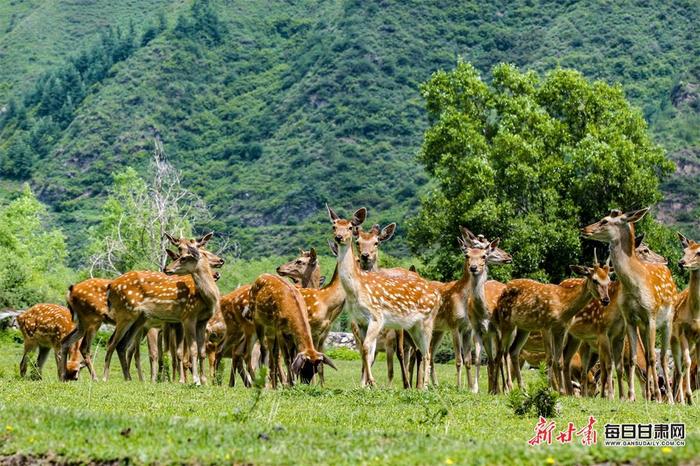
x=341, y=423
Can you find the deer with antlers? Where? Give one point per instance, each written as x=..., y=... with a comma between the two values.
x=686, y=324
x=45, y=326
x=647, y=299
x=527, y=305
x=405, y=302
x=281, y=321
x=140, y=297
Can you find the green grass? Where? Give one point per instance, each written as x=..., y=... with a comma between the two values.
x=337, y=424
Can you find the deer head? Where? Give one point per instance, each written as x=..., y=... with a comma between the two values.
x=368, y=243
x=214, y=260
x=306, y=367
x=691, y=254
x=301, y=268
x=645, y=253
x=612, y=227
x=345, y=230
x=490, y=251
x=597, y=280
x=187, y=263
x=74, y=364
x=182, y=244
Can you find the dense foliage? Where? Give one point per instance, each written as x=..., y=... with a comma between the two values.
x=270, y=109
x=32, y=256
x=530, y=160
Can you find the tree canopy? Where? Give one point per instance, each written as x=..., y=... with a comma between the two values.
x=530, y=159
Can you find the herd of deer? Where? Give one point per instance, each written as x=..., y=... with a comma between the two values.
x=285, y=324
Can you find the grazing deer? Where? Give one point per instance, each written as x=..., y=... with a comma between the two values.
x=648, y=294
x=527, y=305
x=602, y=329
x=281, y=321
x=400, y=302
x=87, y=302
x=686, y=323
x=139, y=297
x=44, y=326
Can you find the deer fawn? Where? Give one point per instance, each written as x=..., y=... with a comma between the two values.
x=686, y=324
x=44, y=326
x=400, y=302
x=281, y=321
x=527, y=305
x=648, y=294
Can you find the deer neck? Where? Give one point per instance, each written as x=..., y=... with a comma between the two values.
x=206, y=286
x=573, y=300
x=478, y=294
x=300, y=322
x=312, y=277
x=628, y=267
x=333, y=295
x=694, y=294
x=348, y=270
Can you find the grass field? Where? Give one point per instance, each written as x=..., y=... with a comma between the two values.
x=337, y=424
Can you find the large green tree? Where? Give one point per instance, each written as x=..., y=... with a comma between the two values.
x=530, y=159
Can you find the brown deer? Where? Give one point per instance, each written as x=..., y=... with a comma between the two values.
x=686, y=323
x=602, y=329
x=648, y=294
x=282, y=322
x=304, y=270
x=44, y=326
x=527, y=305
x=240, y=335
x=139, y=297
x=390, y=340
x=401, y=302
x=87, y=302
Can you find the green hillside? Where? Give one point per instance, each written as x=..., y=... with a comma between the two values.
x=271, y=109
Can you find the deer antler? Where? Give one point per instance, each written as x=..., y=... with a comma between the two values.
x=595, y=257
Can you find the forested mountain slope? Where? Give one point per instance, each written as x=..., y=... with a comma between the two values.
x=272, y=108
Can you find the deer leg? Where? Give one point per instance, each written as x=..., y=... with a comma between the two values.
x=684, y=381
x=434, y=343
x=132, y=340
x=359, y=335
x=119, y=331
x=697, y=364
x=86, y=350
x=60, y=367
x=201, y=336
x=632, y=337
x=389, y=349
x=473, y=338
x=558, y=340
x=421, y=335
x=516, y=347
x=402, y=358
x=191, y=346
x=463, y=354
x=134, y=353
x=665, y=343
x=572, y=346
x=649, y=337
x=369, y=345
x=41, y=360
x=152, y=341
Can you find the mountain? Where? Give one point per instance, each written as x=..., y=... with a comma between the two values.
x=270, y=109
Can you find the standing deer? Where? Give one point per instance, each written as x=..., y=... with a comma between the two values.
x=401, y=302
x=281, y=321
x=304, y=270
x=648, y=294
x=527, y=305
x=44, y=326
x=686, y=324
x=138, y=297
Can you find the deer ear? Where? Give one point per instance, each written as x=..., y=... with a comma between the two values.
x=201, y=242
x=580, y=270
x=684, y=241
x=312, y=254
x=334, y=247
x=635, y=216
x=359, y=216
x=322, y=281
x=638, y=240
x=387, y=232
x=328, y=361
x=172, y=240
x=332, y=214
x=194, y=252
x=172, y=255
x=494, y=243
x=299, y=362
x=375, y=228
x=412, y=268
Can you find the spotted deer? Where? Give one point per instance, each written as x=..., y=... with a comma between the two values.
x=140, y=297
x=390, y=340
x=648, y=295
x=44, y=326
x=282, y=322
x=240, y=335
x=481, y=294
x=527, y=305
x=87, y=302
x=603, y=330
x=686, y=323
x=405, y=302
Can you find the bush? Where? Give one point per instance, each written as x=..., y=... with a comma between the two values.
x=538, y=399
